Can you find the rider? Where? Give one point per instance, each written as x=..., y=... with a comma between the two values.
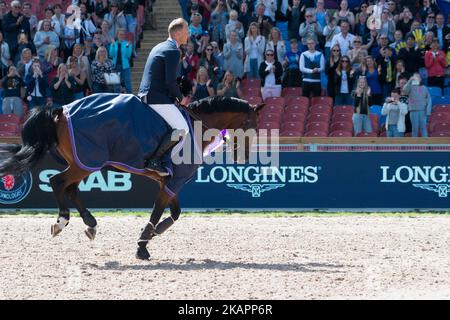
x=159, y=89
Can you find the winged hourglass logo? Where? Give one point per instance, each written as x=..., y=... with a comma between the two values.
x=255, y=189
x=442, y=189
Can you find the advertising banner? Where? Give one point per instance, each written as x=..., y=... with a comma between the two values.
x=308, y=180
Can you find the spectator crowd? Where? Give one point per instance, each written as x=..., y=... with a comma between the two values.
x=82, y=47
x=360, y=53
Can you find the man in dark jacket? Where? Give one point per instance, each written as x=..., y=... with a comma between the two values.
x=410, y=55
x=14, y=22
x=159, y=89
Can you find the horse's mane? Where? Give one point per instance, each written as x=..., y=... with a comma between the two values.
x=219, y=104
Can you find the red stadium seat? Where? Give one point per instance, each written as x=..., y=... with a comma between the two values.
x=383, y=134
x=317, y=126
x=325, y=101
x=251, y=83
x=10, y=118
x=315, y=133
x=291, y=133
x=315, y=108
x=292, y=126
x=252, y=92
x=340, y=133
x=367, y=134
x=342, y=117
x=298, y=101
x=318, y=117
x=253, y=100
x=272, y=109
x=441, y=127
x=342, y=126
x=374, y=121
x=439, y=117
x=441, y=108
x=10, y=127
x=343, y=109
x=292, y=92
x=294, y=117
x=297, y=109
x=269, y=125
x=445, y=134
x=275, y=101
x=270, y=117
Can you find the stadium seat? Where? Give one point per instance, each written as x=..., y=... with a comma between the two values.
x=342, y=117
x=441, y=100
x=251, y=83
x=294, y=117
x=446, y=91
x=296, y=109
x=325, y=101
x=341, y=133
x=302, y=101
x=315, y=133
x=441, y=127
x=291, y=133
x=442, y=108
x=292, y=92
x=343, y=109
x=342, y=126
x=374, y=121
x=445, y=134
x=319, y=117
x=317, y=126
x=253, y=100
x=292, y=126
x=270, y=117
x=439, y=117
x=275, y=101
x=383, y=134
x=367, y=134
x=252, y=91
x=10, y=127
x=269, y=125
x=10, y=118
x=272, y=109
x=316, y=108
x=435, y=91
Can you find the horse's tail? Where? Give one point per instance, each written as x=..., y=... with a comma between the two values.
x=38, y=136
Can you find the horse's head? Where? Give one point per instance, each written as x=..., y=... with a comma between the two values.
x=237, y=116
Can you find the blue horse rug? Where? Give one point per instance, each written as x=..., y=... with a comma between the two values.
x=108, y=129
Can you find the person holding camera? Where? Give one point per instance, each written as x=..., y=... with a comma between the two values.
x=37, y=86
x=309, y=29
x=419, y=105
x=395, y=112
x=12, y=85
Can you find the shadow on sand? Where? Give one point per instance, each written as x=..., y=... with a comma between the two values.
x=207, y=264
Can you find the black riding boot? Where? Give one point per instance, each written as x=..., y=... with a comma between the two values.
x=154, y=163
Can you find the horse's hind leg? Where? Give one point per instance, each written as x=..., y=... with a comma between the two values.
x=85, y=214
x=149, y=230
x=156, y=227
x=60, y=182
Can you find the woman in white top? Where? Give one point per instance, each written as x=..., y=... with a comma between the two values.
x=254, y=50
x=277, y=44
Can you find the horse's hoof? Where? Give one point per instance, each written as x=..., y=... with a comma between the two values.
x=90, y=232
x=55, y=229
x=142, y=254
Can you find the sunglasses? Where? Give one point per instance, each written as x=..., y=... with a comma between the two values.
x=357, y=41
x=345, y=61
x=269, y=54
x=336, y=50
x=209, y=49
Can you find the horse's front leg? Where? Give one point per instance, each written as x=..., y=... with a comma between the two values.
x=150, y=230
x=88, y=219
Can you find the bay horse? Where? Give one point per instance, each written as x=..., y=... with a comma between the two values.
x=49, y=129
